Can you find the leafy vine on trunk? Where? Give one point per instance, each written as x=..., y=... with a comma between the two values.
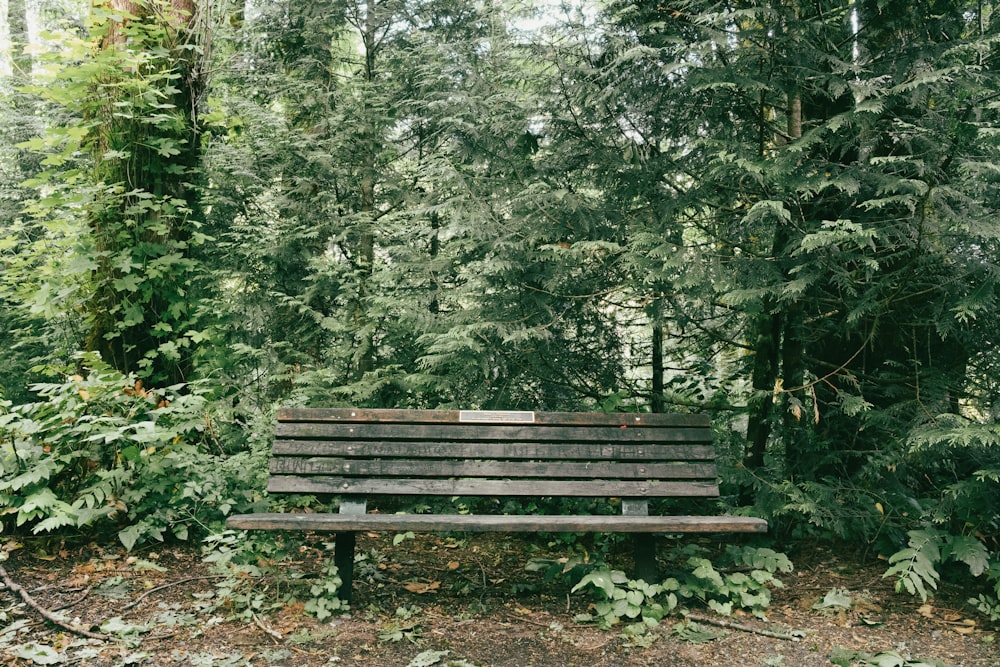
x=144, y=141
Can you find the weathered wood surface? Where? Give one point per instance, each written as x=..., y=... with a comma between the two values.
x=507, y=433
x=355, y=453
x=373, y=416
x=338, y=465
x=499, y=523
x=495, y=450
x=492, y=453
x=489, y=487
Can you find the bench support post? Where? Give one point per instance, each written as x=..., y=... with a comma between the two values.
x=643, y=543
x=343, y=549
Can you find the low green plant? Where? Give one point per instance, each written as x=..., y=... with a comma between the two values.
x=404, y=625
x=100, y=450
x=243, y=562
x=850, y=658
x=637, y=635
x=836, y=600
x=743, y=579
x=619, y=598
x=431, y=657
x=725, y=592
x=691, y=632
x=399, y=538
x=988, y=604
x=953, y=533
x=571, y=568
x=255, y=577
x=323, y=600
x=916, y=568
x=369, y=566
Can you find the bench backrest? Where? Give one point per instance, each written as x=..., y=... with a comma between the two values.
x=492, y=453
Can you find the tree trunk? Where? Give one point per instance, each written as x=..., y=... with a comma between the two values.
x=792, y=346
x=366, y=239
x=763, y=378
x=14, y=63
x=146, y=161
x=657, y=403
x=6, y=50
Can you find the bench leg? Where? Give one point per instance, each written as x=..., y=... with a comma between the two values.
x=343, y=547
x=343, y=558
x=644, y=543
x=645, y=557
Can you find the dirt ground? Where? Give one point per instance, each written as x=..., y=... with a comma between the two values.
x=433, y=600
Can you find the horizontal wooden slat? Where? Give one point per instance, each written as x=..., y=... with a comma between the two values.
x=491, y=523
x=360, y=415
x=481, y=487
x=489, y=433
x=496, y=450
x=495, y=469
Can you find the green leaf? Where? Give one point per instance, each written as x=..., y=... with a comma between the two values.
x=40, y=654
x=837, y=598
x=889, y=659
x=970, y=551
x=54, y=522
x=599, y=579
x=427, y=658
x=843, y=657
x=129, y=536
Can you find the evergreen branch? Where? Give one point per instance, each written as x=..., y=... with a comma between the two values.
x=835, y=371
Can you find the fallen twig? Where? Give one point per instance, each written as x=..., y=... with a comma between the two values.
x=730, y=625
x=521, y=619
x=271, y=632
x=172, y=583
x=47, y=587
x=13, y=587
x=77, y=601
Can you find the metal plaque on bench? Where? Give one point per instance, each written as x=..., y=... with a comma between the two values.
x=497, y=416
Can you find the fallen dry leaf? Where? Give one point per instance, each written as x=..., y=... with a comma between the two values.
x=421, y=587
x=966, y=627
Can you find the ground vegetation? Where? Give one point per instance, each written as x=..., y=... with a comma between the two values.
x=779, y=212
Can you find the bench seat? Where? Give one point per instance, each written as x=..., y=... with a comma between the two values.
x=358, y=454
x=500, y=523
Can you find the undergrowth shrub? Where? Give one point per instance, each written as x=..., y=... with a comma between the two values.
x=257, y=577
x=954, y=465
x=98, y=450
x=740, y=579
x=928, y=502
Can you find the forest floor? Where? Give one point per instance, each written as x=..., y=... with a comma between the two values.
x=433, y=600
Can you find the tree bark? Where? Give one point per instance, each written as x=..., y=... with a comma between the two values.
x=146, y=220
x=792, y=345
x=764, y=375
x=657, y=403
x=366, y=358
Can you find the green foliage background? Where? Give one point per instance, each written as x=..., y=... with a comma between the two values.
x=781, y=212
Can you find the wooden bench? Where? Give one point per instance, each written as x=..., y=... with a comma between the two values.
x=357, y=453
